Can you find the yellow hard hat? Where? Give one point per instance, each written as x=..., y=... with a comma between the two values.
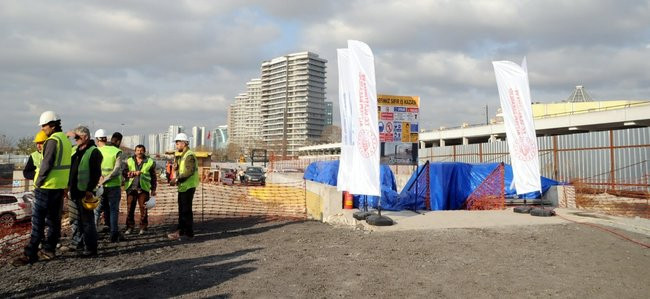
x=40, y=137
x=90, y=204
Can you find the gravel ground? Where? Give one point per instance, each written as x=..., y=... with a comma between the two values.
x=258, y=259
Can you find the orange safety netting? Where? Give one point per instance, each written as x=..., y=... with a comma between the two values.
x=212, y=201
x=490, y=195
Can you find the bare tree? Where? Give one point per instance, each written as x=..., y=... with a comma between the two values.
x=233, y=152
x=331, y=134
x=25, y=146
x=6, y=144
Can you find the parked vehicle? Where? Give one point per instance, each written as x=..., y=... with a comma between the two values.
x=15, y=207
x=228, y=176
x=254, y=175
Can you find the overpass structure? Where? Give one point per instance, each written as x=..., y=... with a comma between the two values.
x=631, y=115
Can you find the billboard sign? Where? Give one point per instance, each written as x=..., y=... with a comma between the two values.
x=398, y=129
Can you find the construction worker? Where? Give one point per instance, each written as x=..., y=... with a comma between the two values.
x=141, y=184
x=85, y=174
x=35, y=157
x=112, y=181
x=116, y=140
x=187, y=179
x=51, y=179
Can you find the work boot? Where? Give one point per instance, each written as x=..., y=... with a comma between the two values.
x=142, y=231
x=128, y=231
x=117, y=238
x=45, y=254
x=88, y=253
x=71, y=248
x=23, y=261
x=174, y=236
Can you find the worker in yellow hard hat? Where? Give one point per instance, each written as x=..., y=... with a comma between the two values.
x=36, y=157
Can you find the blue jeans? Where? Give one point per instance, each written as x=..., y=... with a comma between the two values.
x=46, y=211
x=110, y=205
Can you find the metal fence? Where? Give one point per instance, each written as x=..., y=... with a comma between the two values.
x=613, y=159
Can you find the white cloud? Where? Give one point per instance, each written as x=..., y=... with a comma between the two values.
x=149, y=63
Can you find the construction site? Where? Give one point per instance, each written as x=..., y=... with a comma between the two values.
x=454, y=233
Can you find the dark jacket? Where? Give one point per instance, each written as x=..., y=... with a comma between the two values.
x=95, y=168
x=30, y=169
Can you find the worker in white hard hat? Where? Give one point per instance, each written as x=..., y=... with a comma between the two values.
x=50, y=181
x=112, y=181
x=187, y=179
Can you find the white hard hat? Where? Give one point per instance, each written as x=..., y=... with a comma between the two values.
x=100, y=133
x=149, y=204
x=48, y=116
x=181, y=137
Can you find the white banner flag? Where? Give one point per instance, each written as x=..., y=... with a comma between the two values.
x=514, y=94
x=364, y=173
x=345, y=107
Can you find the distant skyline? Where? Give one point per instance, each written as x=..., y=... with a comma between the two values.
x=139, y=66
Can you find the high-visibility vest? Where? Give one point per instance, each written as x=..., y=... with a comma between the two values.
x=59, y=175
x=37, y=158
x=145, y=178
x=109, y=154
x=83, y=173
x=192, y=181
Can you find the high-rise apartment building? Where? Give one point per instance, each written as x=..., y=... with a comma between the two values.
x=219, y=137
x=244, y=117
x=171, y=134
x=153, y=148
x=329, y=113
x=293, y=101
x=237, y=121
x=198, y=137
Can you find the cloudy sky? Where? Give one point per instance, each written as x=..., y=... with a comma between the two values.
x=138, y=66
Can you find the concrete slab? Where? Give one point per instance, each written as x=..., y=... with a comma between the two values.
x=428, y=220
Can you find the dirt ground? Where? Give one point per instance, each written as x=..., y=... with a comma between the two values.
x=259, y=259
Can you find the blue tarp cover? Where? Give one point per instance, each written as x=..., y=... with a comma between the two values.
x=450, y=185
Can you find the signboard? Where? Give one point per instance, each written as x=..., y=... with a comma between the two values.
x=398, y=129
x=258, y=155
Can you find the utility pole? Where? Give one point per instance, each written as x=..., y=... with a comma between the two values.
x=487, y=119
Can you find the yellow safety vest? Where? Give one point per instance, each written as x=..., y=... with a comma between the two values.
x=37, y=158
x=192, y=181
x=109, y=154
x=145, y=178
x=83, y=173
x=59, y=175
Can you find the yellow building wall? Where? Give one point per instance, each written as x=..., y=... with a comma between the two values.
x=540, y=110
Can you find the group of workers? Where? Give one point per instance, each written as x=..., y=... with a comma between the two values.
x=91, y=175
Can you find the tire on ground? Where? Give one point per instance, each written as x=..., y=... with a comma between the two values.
x=361, y=215
x=522, y=209
x=540, y=212
x=377, y=220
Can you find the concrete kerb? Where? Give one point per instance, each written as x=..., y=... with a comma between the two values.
x=431, y=220
x=327, y=207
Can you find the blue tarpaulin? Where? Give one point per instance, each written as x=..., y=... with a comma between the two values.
x=326, y=172
x=450, y=185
